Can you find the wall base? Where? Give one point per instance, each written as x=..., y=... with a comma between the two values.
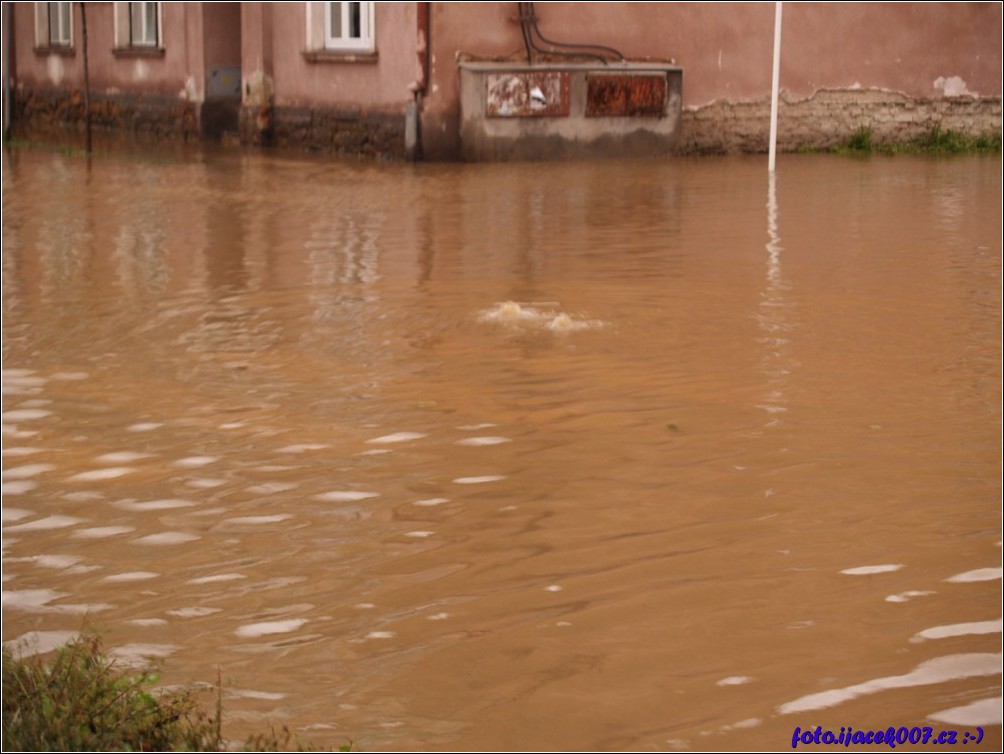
x=53, y=111
x=336, y=131
x=829, y=118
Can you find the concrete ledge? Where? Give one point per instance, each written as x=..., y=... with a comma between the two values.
x=515, y=111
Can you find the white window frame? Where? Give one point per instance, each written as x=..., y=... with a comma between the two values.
x=127, y=38
x=64, y=24
x=342, y=12
x=142, y=37
x=63, y=17
x=319, y=27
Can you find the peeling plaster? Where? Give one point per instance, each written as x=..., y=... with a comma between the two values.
x=54, y=68
x=953, y=86
x=189, y=92
x=258, y=89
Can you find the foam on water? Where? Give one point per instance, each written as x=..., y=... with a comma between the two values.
x=432, y=501
x=938, y=670
x=980, y=574
x=255, y=520
x=19, y=487
x=536, y=314
x=398, y=437
x=980, y=712
x=734, y=680
x=219, y=577
x=153, y=505
x=123, y=456
x=39, y=642
x=47, y=523
x=873, y=569
x=195, y=462
x=25, y=414
x=302, y=448
x=271, y=488
x=480, y=441
x=908, y=595
x=341, y=496
x=27, y=471
x=22, y=451
x=131, y=576
x=14, y=514
x=98, y=475
x=140, y=654
x=166, y=538
x=194, y=612
x=100, y=532
x=959, y=629
x=144, y=427
x=254, y=630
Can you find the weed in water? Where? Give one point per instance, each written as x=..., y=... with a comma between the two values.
x=859, y=141
x=935, y=142
x=77, y=700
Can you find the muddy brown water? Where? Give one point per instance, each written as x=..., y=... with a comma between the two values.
x=616, y=455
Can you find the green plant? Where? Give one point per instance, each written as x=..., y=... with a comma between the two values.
x=936, y=142
x=859, y=141
x=78, y=701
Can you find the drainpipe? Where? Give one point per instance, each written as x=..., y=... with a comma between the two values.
x=8, y=74
x=418, y=87
x=87, y=81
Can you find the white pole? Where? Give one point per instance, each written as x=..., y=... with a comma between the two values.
x=774, y=86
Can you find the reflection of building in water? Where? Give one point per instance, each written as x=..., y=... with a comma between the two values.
x=139, y=252
x=343, y=249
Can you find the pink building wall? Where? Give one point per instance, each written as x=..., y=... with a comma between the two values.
x=181, y=65
x=725, y=49
x=890, y=56
x=381, y=84
x=222, y=34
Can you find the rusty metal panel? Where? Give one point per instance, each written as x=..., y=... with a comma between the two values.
x=625, y=94
x=520, y=94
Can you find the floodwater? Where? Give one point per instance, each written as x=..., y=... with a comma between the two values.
x=614, y=455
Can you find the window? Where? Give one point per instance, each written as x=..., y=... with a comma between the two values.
x=59, y=24
x=144, y=24
x=138, y=26
x=348, y=26
x=341, y=27
x=53, y=25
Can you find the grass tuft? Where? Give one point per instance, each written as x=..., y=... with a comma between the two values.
x=935, y=142
x=78, y=700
